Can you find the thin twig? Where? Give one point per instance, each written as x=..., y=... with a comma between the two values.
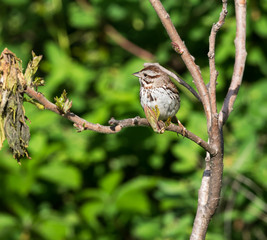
x=186, y=56
x=240, y=59
x=176, y=77
x=127, y=45
x=118, y=38
x=116, y=125
x=213, y=72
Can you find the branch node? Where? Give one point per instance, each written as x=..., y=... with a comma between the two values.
x=177, y=48
x=211, y=55
x=167, y=15
x=112, y=121
x=135, y=120
x=79, y=127
x=207, y=173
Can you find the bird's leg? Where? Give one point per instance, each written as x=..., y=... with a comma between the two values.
x=168, y=122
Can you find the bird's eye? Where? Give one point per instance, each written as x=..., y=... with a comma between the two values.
x=145, y=75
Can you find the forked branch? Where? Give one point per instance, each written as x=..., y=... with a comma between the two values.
x=209, y=193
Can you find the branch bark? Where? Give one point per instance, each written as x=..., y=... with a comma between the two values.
x=186, y=56
x=80, y=123
x=211, y=54
x=240, y=59
x=209, y=193
x=116, y=125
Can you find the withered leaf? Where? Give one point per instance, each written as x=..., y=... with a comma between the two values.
x=12, y=114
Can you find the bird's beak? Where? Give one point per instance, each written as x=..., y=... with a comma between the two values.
x=136, y=74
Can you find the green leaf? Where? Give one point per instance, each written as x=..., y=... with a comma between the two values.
x=111, y=181
x=63, y=103
x=90, y=212
x=132, y=195
x=134, y=201
x=31, y=69
x=187, y=156
x=177, y=227
x=261, y=26
x=148, y=230
x=117, y=12
x=7, y=221
x=245, y=156
x=61, y=174
x=172, y=187
x=137, y=184
x=52, y=229
x=82, y=17
x=212, y=236
x=64, y=67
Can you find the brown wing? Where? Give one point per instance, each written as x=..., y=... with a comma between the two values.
x=172, y=87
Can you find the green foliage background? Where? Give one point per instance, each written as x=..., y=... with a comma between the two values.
x=135, y=184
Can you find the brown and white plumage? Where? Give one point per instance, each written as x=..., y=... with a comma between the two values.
x=156, y=89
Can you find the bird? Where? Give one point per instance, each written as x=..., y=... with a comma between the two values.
x=159, y=97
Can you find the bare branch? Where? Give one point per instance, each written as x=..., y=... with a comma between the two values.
x=176, y=77
x=80, y=123
x=116, y=125
x=208, y=195
x=118, y=38
x=213, y=72
x=209, y=192
x=240, y=59
x=202, y=218
x=185, y=55
x=131, y=122
x=127, y=45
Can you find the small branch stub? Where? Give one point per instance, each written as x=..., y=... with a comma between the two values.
x=176, y=48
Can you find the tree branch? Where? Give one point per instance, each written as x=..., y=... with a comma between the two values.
x=176, y=77
x=131, y=122
x=79, y=122
x=127, y=45
x=186, y=56
x=209, y=193
x=118, y=38
x=240, y=59
x=211, y=54
x=116, y=125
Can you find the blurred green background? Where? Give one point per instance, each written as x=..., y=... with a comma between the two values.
x=135, y=184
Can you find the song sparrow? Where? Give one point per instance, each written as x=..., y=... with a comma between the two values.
x=158, y=95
